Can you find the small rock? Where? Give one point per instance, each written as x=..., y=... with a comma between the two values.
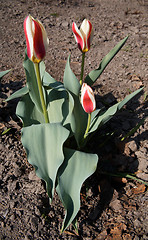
x=102, y=235
x=132, y=146
x=12, y=204
x=143, y=176
x=116, y=205
x=34, y=224
x=139, y=154
x=2, y=224
x=11, y=186
x=135, y=30
x=37, y=211
x=17, y=172
x=136, y=223
x=32, y=176
x=65, y=24
x=143, y=163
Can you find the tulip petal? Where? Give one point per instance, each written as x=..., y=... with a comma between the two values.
x=78, y=36
x=36, y=39
x=85, y=27
x=87, y=103
x=29, y=35
x=44, y=34
x=86, y=30
x=87, y=98
x=39, y=49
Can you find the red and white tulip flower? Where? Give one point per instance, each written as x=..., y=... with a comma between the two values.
x=83, y=35
x=36, y=39
x=87, y=98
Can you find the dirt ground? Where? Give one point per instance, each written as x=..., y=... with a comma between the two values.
x=110, y=209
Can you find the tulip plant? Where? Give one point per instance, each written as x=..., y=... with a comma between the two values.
x=59, y=117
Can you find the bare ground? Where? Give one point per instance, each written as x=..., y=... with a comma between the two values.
x=110, y=209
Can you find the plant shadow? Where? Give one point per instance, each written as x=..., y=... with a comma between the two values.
x=9, y=84
x=115, y=156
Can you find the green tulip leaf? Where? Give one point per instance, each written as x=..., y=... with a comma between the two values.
x=129, y=97
x=3, y=73
x=28, y=112
x=44, y=147
x=105, y=116
x=32, y=81
x=20, y=93
x=95, y=113
x=56, y=86
x=77, y=167
x=68, y=107
x=94, y=75
x=57, y=108
x=80, y=118
x=47, y=79
x=60, y=104
x=70, y=81
x=42, y=69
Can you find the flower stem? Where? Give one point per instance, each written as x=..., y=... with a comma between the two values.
x=88, y=125
x=82, y=68
x=36, y=65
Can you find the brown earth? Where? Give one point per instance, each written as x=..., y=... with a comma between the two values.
x=111, y=208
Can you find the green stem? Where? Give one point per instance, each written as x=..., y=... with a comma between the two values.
x=88, y=125
x=36, y=65
x=82, y=68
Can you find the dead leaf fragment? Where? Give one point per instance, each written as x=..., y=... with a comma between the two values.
x=139, y=189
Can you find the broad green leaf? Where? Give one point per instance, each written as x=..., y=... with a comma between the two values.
x=58, y=86
x=77, y=167
x=57, y=102
x=70, y=81
x=94, y=75
x=69, y=121
x=3, y=73
x=105, y=116
x=80, y=118
x=47, y=79
x=42, y=69
x=44, y=148
x=95, y=113
x=32, y=81
x=60, y=104
x=20, y=93
x=28, y=112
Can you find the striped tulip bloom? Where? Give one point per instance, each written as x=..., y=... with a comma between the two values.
x=87, y=98
x=36, y=39
x=83, y=35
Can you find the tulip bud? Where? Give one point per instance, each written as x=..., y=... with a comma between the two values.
x=87, y=98
x=36, y=39
x=84, y=35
